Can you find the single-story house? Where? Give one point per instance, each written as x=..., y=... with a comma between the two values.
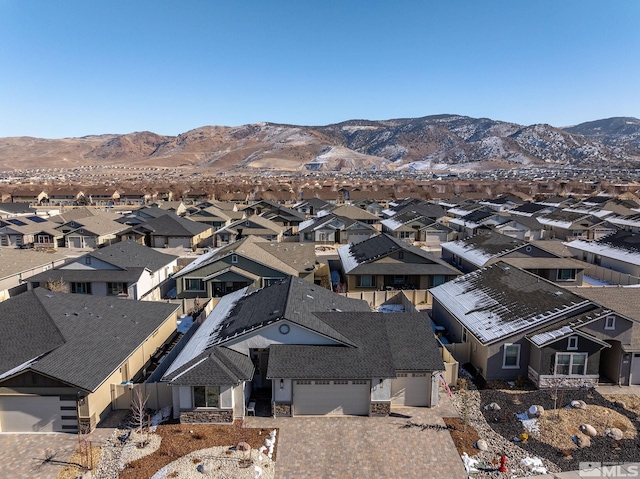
x=332, y=229
x=312, y=351
x=516, y=324
x=384, y=262
x=252, y=261
x=126, y=269
x=61, y=354
x=619, y=251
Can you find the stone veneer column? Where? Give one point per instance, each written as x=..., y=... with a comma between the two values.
x=198, y=416
x=380, y=409
x=281, y=409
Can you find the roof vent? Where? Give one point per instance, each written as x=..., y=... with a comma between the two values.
x=557, y=293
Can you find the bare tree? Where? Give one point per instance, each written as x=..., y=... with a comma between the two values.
x=139, y=401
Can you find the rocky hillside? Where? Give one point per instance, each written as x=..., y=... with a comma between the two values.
x=429, y=143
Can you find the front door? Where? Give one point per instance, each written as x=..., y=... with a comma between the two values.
x=260, y=358
x=635, y=369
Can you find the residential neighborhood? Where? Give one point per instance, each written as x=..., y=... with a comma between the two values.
x=271, y=313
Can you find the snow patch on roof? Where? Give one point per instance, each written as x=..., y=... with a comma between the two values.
x=198, y=342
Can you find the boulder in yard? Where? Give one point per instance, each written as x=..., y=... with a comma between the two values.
x=494, y=406
x=243, y=446
x=482, y=445
x=588, y=430
x=620, y=404
x=535, y=411
x=615, y=434
x=583, y=441
x=578, y=404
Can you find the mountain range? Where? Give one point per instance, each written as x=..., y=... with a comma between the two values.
x=440, y=142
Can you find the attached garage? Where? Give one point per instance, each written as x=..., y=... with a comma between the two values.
x=74, y=242
x=635, y=370
x=411, y=389
x=89, y=241
x=158, y=241
x=177, y=241
x=331, y=397
x=37, y=414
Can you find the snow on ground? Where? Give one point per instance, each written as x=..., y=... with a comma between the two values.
x=596, y=281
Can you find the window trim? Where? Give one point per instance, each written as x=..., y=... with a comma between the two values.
x=572, y=274
x=574, y=346
x=372, y=283
x=612, y=326
x=187, y=280
x=571, y=364
x=504, y=356
x=193, y=397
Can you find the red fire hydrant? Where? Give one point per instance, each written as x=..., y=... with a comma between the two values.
x=503, y=464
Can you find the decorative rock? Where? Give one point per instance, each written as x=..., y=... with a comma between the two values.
x=583, y=441
x=482, y=445
x=536, y=411
x=578, y=404
x=620, y=404
x=615, y=434
x=492, y=407
x=203, y=468
x=243, y=446
x=589, y=430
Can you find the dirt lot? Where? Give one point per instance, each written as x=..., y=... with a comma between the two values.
x=555, y=440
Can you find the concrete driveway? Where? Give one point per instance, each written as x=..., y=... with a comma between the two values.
x=23, y=455
x=365, y=447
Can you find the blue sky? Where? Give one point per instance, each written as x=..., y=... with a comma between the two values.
x=74, y=68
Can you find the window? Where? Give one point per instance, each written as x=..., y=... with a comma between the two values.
x=87, y=260
x=610, y=322
x=114, y=289
x=406, y=234
x=437, y=280
x=511, y=356
x=4, y=241
x=193, y=284
x=81, y=288
x=206, y=396
x=234, y=258
x=366, y=281
x=398, y=280
x=308, y=236
x=597, y=260
x=573, y=343
x=570, y=364
x=566, y=275
x=400, y=254
x=464, y=335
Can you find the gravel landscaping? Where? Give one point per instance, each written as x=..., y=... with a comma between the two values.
x=556, y=443
x=187, y=450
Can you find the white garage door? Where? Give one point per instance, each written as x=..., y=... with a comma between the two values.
x=411, y=389
x=331, y=397
x=37, y=414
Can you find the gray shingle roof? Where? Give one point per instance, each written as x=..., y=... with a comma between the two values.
x=98, y=333
x=293, y=299
x=217, y=366
x=360, y=258
x=170, y=224
x=383, y=344
x=501, y=300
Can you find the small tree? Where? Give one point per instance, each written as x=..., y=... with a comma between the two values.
x=139, y=412
x=57, y=286
x=465, y=403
